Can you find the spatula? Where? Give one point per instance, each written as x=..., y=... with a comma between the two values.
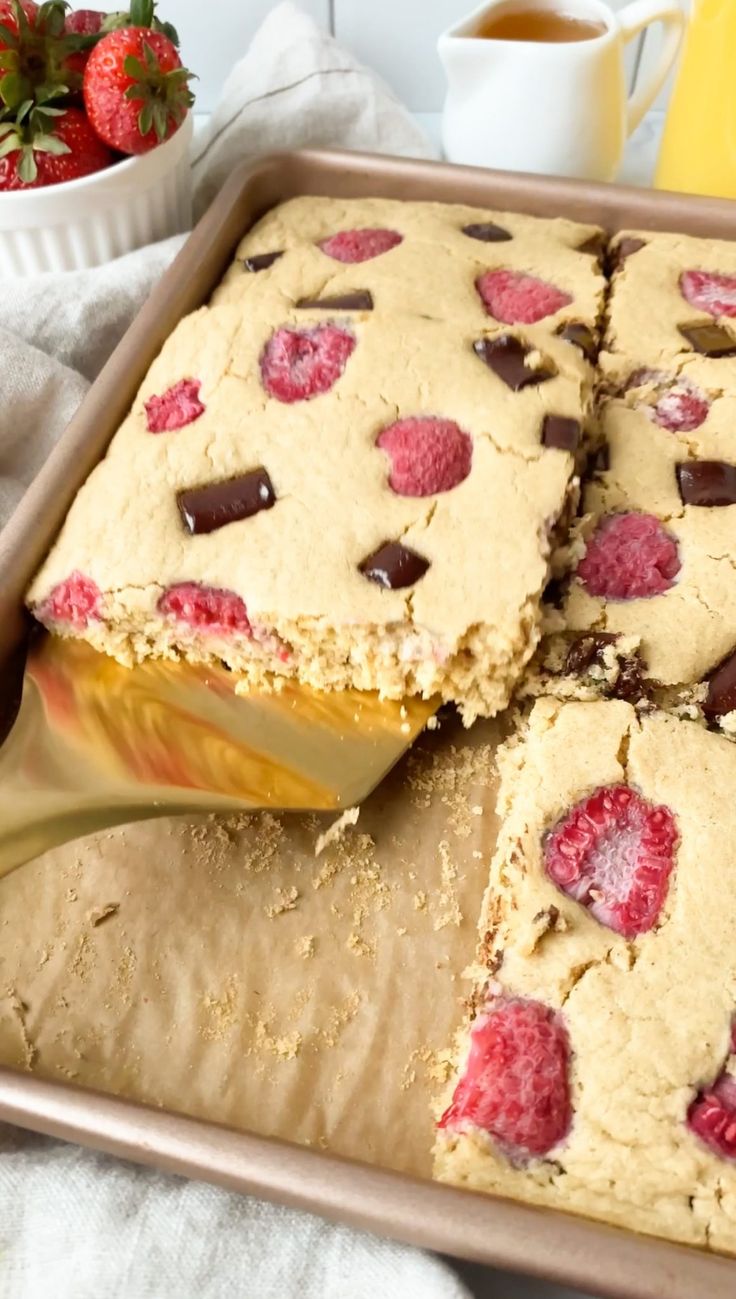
x=89, y=743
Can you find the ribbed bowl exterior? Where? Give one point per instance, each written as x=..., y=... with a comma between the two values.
x=86, y=222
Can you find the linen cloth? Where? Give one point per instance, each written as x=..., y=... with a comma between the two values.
x=74, y=1224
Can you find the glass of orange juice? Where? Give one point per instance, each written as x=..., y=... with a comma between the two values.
x=698, y=153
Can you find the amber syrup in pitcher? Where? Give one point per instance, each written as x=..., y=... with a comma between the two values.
x=541, y=25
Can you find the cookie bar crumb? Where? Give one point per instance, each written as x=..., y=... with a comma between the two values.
x=334, y=832
x=305, y=946
x=286, y=899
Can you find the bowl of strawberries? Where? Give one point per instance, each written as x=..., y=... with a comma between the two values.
x=95, y=129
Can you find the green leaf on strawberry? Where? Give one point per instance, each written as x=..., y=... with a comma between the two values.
x=136, y=91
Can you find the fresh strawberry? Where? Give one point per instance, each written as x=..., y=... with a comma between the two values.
x=84, y=22
x=135, y=89
x=41, y=150
x=84, y=25
x=9, y=17
x=37, y=54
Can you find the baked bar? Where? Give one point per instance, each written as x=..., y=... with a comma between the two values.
x=597, y=1073
x=327, y=489
x=672, y=297
x=650, y=611
x=441, y=260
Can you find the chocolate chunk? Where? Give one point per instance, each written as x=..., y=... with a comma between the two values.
x=707, y=482
x=709, y=340
x=394, y=566
x=630, y=685
x=361, y=300
x=487, y=232
x=623, y=249
x=595, y=246
x=587, y=651
x=205, y=509
x=721, y=697
x=580, y=336
x=506, y=356
x=560, y=432
x=261, y=261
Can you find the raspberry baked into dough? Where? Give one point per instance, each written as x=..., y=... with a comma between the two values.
x=649, y=612
x=313, y=485
x=597, y=1073
x=672, y=297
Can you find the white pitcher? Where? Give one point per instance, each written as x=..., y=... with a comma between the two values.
x=560, y=108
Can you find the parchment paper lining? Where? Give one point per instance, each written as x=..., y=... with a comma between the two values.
x=221, y=970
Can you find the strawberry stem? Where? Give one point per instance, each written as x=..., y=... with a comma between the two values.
x=164, y=96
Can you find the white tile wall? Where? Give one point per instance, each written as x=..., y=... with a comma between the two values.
x=396, y=37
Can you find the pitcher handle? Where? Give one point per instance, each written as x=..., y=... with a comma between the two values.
x=632, y=20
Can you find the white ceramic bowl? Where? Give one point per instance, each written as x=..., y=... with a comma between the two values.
x=89, y=221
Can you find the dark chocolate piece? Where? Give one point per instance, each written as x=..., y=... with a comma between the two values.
x=394, y=566
x=487, y=232
x=506, y=356
x=595, y=246
x=581, y=336
x=205, y=509
x=709, y=339
x=721, y=697
x=586, y=651
x=630, y=684
x=623, y=249
x=560, y=432
x=261, y=261
x=707, y=482
x=361, y=300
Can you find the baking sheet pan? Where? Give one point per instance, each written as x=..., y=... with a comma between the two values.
x=103, y=926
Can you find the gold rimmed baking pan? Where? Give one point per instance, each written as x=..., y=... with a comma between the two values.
x=545, y=1243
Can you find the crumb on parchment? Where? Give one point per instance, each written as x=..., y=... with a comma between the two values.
x=284, y=900
x=334, y=832
x=306, y=946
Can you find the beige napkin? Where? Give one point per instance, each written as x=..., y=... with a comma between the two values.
x=297, y=88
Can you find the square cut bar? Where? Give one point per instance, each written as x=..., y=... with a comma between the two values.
x=451, y=441
x=670, y=478
x=672, y=298
x=596, y=1068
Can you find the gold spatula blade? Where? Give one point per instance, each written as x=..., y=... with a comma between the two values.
x=96, y=744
